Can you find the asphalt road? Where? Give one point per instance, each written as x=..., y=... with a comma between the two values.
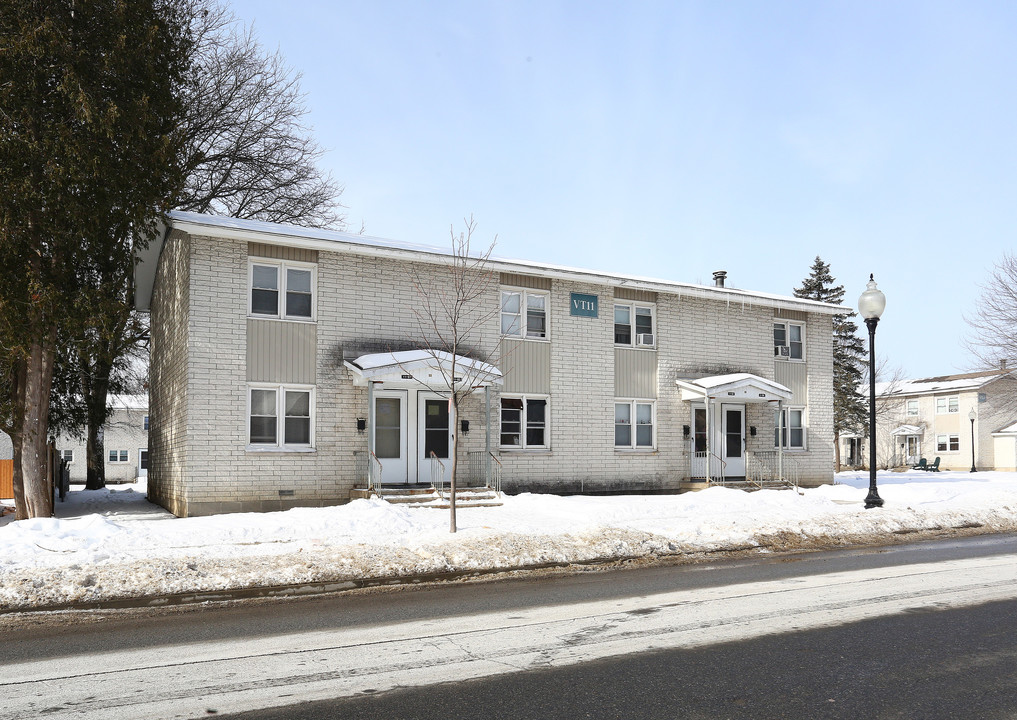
x=716, y=622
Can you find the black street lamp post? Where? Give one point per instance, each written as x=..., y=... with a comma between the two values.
x=871, y=305
x=971, y=417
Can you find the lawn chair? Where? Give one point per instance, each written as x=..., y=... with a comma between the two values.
x=934, y=467
x=922, y=465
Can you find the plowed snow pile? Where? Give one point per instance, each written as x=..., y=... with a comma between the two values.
x=113, y=543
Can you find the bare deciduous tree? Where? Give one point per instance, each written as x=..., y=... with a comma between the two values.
x=250, y=153
x=451, y=316
x=994, y=324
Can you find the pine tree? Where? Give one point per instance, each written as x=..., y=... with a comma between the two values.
x=850, y=412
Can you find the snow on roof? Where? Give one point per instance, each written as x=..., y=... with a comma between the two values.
x=333, y=240
x=129, y=402
x=907, y=430
x=941, y=383
x=745, y=386
x=1008, y=430
x=412, y=362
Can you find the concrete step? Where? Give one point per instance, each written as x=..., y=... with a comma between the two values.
x=429, y=497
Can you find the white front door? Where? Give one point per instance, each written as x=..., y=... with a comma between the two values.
x=914, y=449
x=433, y=435
x=390, y=435
x=142, y=462
x=733, y=439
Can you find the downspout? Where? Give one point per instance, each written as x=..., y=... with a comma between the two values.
x=709, y=457
x=780, y=440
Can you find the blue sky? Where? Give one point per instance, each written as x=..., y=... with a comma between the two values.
x=673, y=139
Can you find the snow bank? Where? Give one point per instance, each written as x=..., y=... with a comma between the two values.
x=113, y=543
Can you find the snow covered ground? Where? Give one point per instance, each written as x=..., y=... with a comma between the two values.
x=113, y=543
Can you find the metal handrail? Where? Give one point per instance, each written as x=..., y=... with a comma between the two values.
x=439, y=486
x=703, y=455
x=373, y=484
x=497, y=476
x=763, y=465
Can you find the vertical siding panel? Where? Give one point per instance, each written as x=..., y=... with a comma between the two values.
x=526, y=366
x=282, y=352
x=794, y=376
x=635, y=373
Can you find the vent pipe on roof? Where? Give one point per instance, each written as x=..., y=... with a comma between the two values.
x=718, y=277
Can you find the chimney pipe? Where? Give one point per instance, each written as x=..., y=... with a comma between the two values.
x=718, y=277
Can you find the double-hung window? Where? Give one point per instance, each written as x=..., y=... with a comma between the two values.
x=634, y=423
x=912, y=407
x=68, y=456
x=283, y=290
x=118, y=456
x=946, y=405
x=633, y=325
x=947, y=443
x=281, y=416
x=524, y=314
x=789, y=340
x=524, y=422
x=791, y=432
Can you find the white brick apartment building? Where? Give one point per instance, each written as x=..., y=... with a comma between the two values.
x=277, y=369
x=125, y=438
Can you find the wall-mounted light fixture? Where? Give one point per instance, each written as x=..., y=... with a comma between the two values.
x=361, y=424
x=686, y=430
x=752, y=430
x=464, y=426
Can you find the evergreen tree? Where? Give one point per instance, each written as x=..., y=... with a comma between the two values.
x=850, y=411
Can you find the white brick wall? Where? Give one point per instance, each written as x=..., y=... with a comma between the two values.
x=367, y=305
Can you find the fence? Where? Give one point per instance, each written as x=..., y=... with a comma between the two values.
x=7, y=479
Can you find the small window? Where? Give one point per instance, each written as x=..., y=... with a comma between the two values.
x=67, y=456
x=947, y=405
x=634, y=425
x=947, y=443
x=281, y=417
x=912, y=407
x=524, y=314
x=633, y=325
x=789, y=341
x=791, y=431
x=145, y=423
x=524, y=422
x=118, y=456
x=293, y=282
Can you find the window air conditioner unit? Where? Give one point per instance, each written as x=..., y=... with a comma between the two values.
x=782, y=350
x=645, y=339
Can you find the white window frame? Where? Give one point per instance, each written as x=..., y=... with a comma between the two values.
x=123, y=456
x=145, y=423
x=788, y=324
x=67, y=456
x=633, y=424
x=788, y=447
x=280, y=418
x=950, y=404
x=524, y=294
x=908, y=404
x=524, y=421
x=948, y=440
x=281, y=267
x=633, y=336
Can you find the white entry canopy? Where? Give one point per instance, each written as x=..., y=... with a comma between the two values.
x=740, y=387
x=428, y=368
x=907, y=430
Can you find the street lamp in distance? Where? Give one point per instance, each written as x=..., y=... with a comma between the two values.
x=871, y=305
x=971, y=417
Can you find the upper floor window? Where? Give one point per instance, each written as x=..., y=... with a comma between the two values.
x=282, y=290
x=789, y=340
x=523, y=422
x=946, y=405
x=524, y=314
x=281, y=416
x=789, y=430
x=912, y=407
x=144, y=423
x=633, y=325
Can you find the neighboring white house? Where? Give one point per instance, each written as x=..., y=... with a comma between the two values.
x=286, y=369
x=125, y=436
x=938, y=417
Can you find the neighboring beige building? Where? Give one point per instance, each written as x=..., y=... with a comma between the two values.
x=283, y=357
x=125, y=437
x=937, y=416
